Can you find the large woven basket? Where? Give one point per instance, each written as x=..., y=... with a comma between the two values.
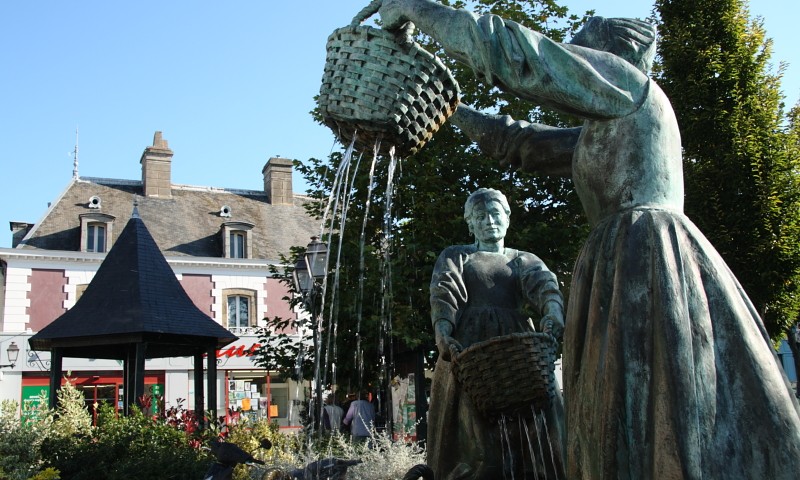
x=382, y=86
x=509, y=374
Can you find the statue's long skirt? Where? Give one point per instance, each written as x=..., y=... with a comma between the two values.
x=668, y=369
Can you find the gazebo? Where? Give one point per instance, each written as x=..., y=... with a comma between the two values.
x=134, y=309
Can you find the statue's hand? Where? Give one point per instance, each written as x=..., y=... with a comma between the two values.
x=552, y=324
x=448, y=347
x=392, y=14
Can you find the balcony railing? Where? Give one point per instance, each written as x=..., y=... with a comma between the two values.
x=239, y=331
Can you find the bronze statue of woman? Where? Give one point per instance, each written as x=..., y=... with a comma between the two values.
x=480, y=291
x=668, y=369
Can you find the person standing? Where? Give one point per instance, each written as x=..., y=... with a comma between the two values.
x=360, y=418
x=332, y=415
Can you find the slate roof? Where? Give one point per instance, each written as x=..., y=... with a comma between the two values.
x=188, y=224
x=134, y=297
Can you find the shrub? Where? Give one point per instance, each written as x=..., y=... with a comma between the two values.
x=124, y=447
x=64, y=445
x=284, y=453
x=382, y=458
x=20, y=442
x=118, y=447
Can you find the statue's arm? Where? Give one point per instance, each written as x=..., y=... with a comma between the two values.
x=531, y=146
x=540, y=286
x=573, y=79
x=448, y=296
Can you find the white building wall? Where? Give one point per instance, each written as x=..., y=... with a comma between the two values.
x=253, y=282
x=10, y=385
x=75, y=278
x=79, y=269
x=15, y=315
x=176, y=386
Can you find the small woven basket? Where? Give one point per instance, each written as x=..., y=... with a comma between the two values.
x=381, y=86
x=509, y=374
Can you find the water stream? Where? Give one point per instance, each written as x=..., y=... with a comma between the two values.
x=386, y=279
x=523, y=448
x=533, y=443
x=334, y=221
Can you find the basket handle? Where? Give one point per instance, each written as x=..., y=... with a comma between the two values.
x=404, y=34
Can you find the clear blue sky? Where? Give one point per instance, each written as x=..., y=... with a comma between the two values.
x=230, y=84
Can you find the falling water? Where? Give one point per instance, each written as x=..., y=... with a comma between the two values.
x=505, y=447
x=543, y=442
x=537, y=443
x=334, y=221
x=543, y=420
x=531, y=451
x=333, y=324
x=386, y=278
x=359, y=358
x=318, y=298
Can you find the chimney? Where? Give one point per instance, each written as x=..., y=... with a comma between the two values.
x=157, y=169
x=278, y=181
x=18, y=232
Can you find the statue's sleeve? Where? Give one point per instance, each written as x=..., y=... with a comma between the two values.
x=539, y=284
x=534, y=147
x=448, y=290
x=570, y=78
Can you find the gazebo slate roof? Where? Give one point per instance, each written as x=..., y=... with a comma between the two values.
x=133, y=298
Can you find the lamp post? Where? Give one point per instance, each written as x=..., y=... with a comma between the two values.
x=12, y=352
x=308, y=276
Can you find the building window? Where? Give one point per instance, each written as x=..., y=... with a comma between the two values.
x=96, y=232
x=237, y=245
x=96, y=237
x=239, y=310
x=237, y=240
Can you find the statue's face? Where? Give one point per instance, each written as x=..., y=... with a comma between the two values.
x=489, y=222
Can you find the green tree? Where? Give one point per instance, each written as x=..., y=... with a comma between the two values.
x=741, y=156
x=379, y=307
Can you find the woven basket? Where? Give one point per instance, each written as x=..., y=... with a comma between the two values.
x=381, y=86
x=508, y=374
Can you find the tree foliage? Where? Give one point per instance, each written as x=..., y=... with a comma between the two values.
x=741, y=156
x=377, y=301
x=741, y=162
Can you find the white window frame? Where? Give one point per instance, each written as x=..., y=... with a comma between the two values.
x=252, y=310
x=95, y=242
x=90, y=222
x=231, y=229
x=238, y=244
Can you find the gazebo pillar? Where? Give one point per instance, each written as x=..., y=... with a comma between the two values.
x=56, y=357
x=199, y=400
x=138, y=375
x=211, y=358
x=133, y=375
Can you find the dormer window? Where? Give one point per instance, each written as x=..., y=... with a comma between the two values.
x=96, y=232
x=96, y=237
x=237, y=244
x=236, y=240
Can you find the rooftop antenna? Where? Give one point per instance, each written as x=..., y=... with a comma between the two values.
x=75, y=156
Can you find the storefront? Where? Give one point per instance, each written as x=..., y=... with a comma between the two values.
x=97, y=388
x=243, y=388
x=256, y=393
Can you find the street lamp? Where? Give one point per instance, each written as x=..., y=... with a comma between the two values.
x=312, y=268
x=12, y=352
x=309, y=273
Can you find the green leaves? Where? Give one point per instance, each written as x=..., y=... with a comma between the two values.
x=740, y=147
